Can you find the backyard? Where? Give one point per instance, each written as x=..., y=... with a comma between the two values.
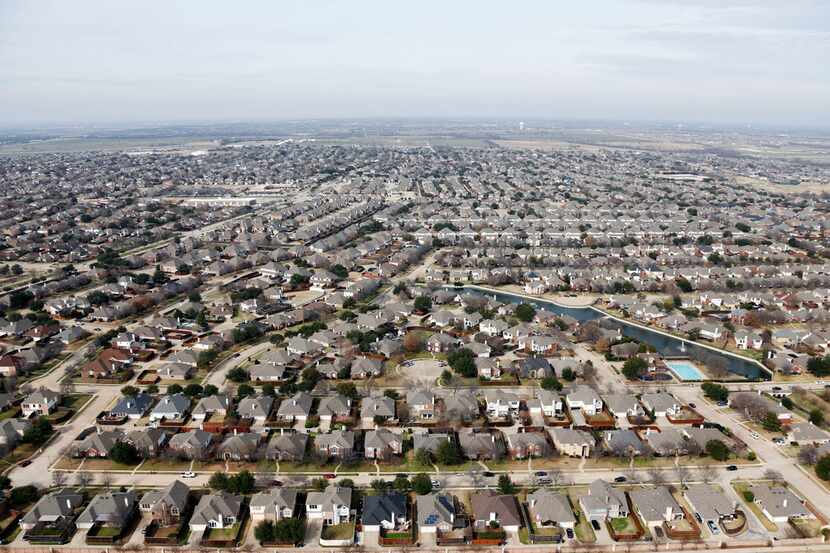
x=342, y=531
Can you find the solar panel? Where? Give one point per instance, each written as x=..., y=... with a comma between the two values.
x=431, y=519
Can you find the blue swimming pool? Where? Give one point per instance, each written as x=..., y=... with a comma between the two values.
x=685, y=370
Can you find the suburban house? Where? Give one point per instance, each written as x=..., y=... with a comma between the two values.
x=490, y=507
x=290, y=446
x=238, y=446
x=216, y=510
x=623, y=405
x=382, y=444
x=661, y=404
x=548, y=403
x=603, y=501
x=274, y=504
x=573, y=443
x=217, y=404
x=52, y=508
x=429, y=441
x=436, y=512
x=501, y=403
x=194, y=444
x=655, y=505
x=338, y=444
x=624, y=443
x=804, y=433
x=96, y=444
x=256, y=408
x=461, y=405
x=167, y=504
x=110, y=509
x=550, y=508
x=333, y=505
x=386, y=511
x=295, y=408
x=480, y=445
x=171, y=407
x=41, y=402
x=376, y=408
x=421, y=404
x=779, y=503
x=710, y=503
x=522, y=445
x=132, y=407
x=584, y=398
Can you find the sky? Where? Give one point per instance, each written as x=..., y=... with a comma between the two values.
x=716, y=61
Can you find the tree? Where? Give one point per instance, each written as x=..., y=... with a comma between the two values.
x=23, y=495
x=505, y=485
x=289, y=530
x=717, y=450
x=264, y=531
x=823, y=468
x=245, y=390
x=551, y=383
x=715, y=392
x=319, y=484
x=378, y=485
x=40, y=431
x=238, y=374
x=339, y=271
x=771, y=423
x=402, y=483
x=218, y=481
x=462, y=361
x=124, y=453
x=568, y=374
x=448, y=453
x=423, y=456
x=817, y=417
x=421, y=484
x=412, y=342
x=174, y=389
x=525, y=312
x=808, y=454
x=193, y=390
x=819, y=366
x=422, y=303
x=634, y=367
x=129, y=391
x=347, y=389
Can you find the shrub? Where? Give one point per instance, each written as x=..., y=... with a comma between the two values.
x=823, y=468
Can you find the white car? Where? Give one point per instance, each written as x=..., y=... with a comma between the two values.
x=755, y=435
x=436, y=485
x=189, y=474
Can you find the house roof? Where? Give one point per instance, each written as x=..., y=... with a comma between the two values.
x=174, y=494
x=211, y=506
x=386, y=507
x=778, y=501
x=54, y=505
x=504, y=506
x=708, y=501
x=435, y=508
x=275, y=498
x=330, y=498
x=653, y=503
x=551, y=506
x=111, y=507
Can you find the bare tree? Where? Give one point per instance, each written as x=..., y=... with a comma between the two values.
x=656, y=477
x=106, y=480
x=708, y=474
x=808, y=454
x=774, y=475
x=556, y=477
x=683, y=474
x=83, y=479
x=58, y=478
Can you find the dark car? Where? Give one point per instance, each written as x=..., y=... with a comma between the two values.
x=731, y=468
x=330, y=476
x=24, y=463
x=693, y=406
x=488, y=474
x=620, y=479
x=276, y=483
x=570, y=533
x=541, y=473
x=595, y=524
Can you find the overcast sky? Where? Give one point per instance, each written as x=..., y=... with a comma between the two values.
x=176, y=60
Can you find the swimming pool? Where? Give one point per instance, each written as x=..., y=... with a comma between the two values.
x=685, y=370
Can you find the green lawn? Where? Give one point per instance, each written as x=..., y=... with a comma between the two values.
x=107, y=532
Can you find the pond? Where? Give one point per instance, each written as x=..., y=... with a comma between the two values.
x=666, y=345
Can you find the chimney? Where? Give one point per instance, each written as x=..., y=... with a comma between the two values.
x=68, y=504
x=784, y=503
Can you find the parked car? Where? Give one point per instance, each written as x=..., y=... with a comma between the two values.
x=541, y=473
x=595, y=524
x=731, y=468
x=723, y=403
x=436, y=485
x=693, y=406
x=189, y=474
x=276, y=483
x=488, y=473
x=713, y=527
x=620, y=479
x=329, y=476
x=570, y=533
x=24, y=463
x=698, y=517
